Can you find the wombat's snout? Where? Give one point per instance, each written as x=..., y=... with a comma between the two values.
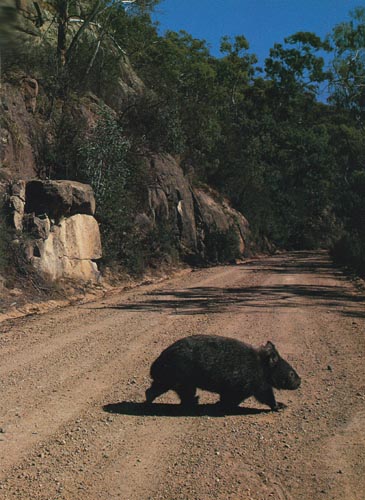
x=295, y=380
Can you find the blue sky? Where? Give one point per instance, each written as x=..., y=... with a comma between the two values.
x=263, y=22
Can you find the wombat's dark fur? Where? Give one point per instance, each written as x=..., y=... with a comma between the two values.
x=226, y=366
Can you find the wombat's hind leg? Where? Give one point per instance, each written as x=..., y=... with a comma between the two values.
x=266, y=396
x=156, y=390
x=187, y=395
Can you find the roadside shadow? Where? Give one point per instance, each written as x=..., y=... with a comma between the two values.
x=254, y=298
x=176, y=410
x=295, y=263
x=213, y=300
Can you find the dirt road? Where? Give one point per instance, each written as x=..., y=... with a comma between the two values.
x=72, y=383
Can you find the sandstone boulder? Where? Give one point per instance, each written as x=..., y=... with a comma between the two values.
x=83, y=200
x=80, y=237
x=62, y=236
x=48, y=197
x=69, y=250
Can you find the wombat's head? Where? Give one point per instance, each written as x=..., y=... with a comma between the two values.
x=280, y=373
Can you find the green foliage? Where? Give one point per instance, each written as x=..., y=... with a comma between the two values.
x=104, y=156
x=292, y=165
x=8, y=19
x=180, y=71
x=105, y=164
x=266, y=143
x=296, y=67
x=348, y=42
x=235, y=70
x=158, y=246
x=154, y=124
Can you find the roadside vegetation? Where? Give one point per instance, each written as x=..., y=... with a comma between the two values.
x=284, y=142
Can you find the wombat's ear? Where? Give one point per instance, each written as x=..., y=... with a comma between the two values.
x=271, y=353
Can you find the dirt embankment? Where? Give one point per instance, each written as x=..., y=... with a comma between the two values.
x=72, y=383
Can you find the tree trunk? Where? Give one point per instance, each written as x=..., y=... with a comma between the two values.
x=62, y=32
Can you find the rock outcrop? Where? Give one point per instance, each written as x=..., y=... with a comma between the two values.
x=192, y=212
x=170, y=199
x=18, y=159
x=70, y=250
x=62, y=236
x=59, y=198
x=211, y=213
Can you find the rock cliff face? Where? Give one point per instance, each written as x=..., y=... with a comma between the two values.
x=17, y=127
x=56, y=221
x=171, y=199
x=193, y=212
x=220, y=215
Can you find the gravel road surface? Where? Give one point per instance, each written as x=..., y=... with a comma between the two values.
x=72, y=421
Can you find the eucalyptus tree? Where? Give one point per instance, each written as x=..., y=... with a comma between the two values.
x=348, y=65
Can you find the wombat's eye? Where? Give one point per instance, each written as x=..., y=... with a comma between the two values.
x=292, y=375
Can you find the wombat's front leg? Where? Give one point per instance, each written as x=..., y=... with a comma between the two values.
x=266, y=396
x=187, y=395
x=156, y=390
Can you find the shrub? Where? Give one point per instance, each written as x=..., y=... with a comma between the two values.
x=221, y=246
x=155, y=124
x=6, y=252
x=104, y=163
x=349, y=251
x=140, y=251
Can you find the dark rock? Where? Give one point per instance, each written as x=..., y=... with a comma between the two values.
x=53, y=198
x=83, y=200
x=38, y=227
x=59, y=198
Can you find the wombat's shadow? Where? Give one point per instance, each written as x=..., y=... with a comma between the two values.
x=176, y=410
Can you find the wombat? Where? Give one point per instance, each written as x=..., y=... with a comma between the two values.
x=226, y=366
